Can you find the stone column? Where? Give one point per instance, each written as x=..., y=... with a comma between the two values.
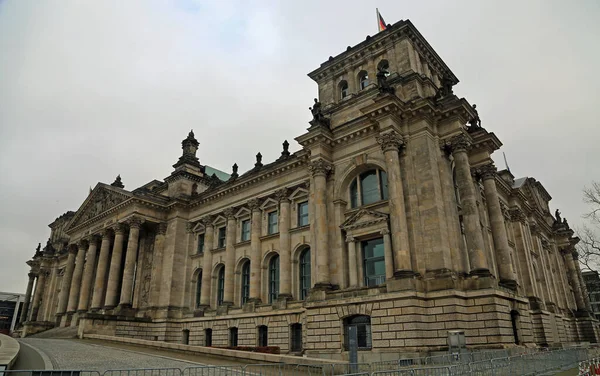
x=112, y=287
x=319, y=169
x=468, y=198
x=63, y=298
x=159, y=244
x=388, y=254
x=255, y=251
x=285, y=258
x=23, y=317
x=88, y=275
x=352, y=268
x=209, y=232
x=571, y=258
x=77, y=273
x=505, y=266
x=130, y=260
x=36, y=313
x=390, y=143
x=99, y=283
x=229, y=257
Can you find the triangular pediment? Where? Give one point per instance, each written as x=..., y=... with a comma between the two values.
x=364, y=218
x=100, y=200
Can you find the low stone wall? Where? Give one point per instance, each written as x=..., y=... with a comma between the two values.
x=9, y=349
x=212, y=351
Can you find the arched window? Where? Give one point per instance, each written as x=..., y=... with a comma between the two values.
x=198, y=288
x=273, y=279
x=363, y=79
x=221, y=286
x=343, y=89
x=304, y=262
x=383, y=64
x=362, y=325
x=369, y=187
x=245, y=282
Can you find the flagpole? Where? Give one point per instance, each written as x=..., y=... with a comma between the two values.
x=377, y=18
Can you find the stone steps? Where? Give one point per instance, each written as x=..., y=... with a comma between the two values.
x=68, y=332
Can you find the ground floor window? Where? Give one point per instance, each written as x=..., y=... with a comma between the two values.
x=363, y=331
x=185, y=337
x=296, y=337
x=208, y=337
x=263, y=332
x=233, y=336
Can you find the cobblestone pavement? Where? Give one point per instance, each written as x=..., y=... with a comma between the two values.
x=77, y=355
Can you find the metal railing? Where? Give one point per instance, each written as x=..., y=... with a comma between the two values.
x=493, y=363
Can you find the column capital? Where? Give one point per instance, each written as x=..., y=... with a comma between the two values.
x=118, y=228
x=162, y=228
x=73, y=249
x=83, y=243
x=385, y=231
x=106, y=233
x=282, y=195
x=229, y=213
x=459, y=143
x=135, y=222
x=575, y=256
x=320, y=167
x=189, y=227
x=207, y=221
x=517, y=215
x=253, y=204
x=350, y=239
x=94, y=239
x=487, y=171
x=31, y=275
x=390, y=141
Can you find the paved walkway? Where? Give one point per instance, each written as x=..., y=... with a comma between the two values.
x=85, y=355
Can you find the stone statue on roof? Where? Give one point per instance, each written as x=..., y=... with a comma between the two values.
x=384, y=86
x=475, y=122
x=557, y=215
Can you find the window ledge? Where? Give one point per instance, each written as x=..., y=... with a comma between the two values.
x=270, y=236
x=196, y=255
x=301, y=228
x=245, y=242
x=218, y=249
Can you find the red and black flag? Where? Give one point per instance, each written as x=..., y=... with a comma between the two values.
x=380, y=21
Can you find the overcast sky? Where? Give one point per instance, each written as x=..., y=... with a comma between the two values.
x=92, y=89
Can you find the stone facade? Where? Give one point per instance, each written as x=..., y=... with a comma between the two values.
x=391, y=218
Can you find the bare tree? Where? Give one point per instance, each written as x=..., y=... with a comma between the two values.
x=589, y=235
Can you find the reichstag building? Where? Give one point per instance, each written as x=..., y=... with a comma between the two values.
x=392, y=219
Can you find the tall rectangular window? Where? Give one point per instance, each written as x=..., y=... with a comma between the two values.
x=263, y=340
x=373, y=262
x=222, y=236
x=246, y=230
x=200, y=243
x=272, y=223
x=303, y=214
x=233, y=336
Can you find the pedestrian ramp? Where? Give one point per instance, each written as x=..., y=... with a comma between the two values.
x=68, y=332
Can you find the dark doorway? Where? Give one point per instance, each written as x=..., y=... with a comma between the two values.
x=514, y=319
x=233, y=336
x=208, y=337
x=263, y=333
x=296, y=337
x=185, y=336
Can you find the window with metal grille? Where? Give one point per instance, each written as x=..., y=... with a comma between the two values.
x=303, y=214
x=272, y=223
x=373, y=261
x=198, y=288
x=274, y=279
x=363, y=331
x=263, y=335
x=245, y=282
x=222, y=237
x=245, y=230
x=233, y=336
x=221, y=286
x=296, y=337
x=304, y=273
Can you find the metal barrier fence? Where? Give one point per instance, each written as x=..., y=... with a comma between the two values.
x=492, y=363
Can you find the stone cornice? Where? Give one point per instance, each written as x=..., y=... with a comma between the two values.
x=485, y=140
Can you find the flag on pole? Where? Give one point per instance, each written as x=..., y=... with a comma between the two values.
x=380, y=22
